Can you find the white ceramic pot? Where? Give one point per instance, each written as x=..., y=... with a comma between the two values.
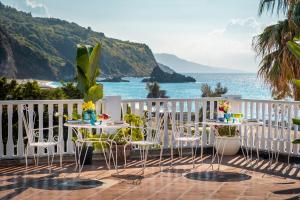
x=231, y=145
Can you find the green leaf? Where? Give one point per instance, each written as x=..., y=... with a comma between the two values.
x=297, y=141
x=294, y=48
x=296, y=83
x=94, y=64
x=94, y=93
x=296, y=121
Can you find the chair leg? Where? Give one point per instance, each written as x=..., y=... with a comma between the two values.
x=195, y=153
x=160, y=157
x=26, y=155
x=193, y=156
x=125, y=159
x=172, y=155
x=145, y=151
x=48, y=155
x=60, y=156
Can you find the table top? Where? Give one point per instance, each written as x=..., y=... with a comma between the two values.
x=97, y=126
x=250, y=123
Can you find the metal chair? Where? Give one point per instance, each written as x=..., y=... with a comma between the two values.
x=183, y=133
x=150, y=137
x=35, y=141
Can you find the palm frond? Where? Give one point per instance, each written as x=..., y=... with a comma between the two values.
x=280, y=6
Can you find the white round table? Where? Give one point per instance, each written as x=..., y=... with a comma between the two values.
x=77, y=125
x=242, y=138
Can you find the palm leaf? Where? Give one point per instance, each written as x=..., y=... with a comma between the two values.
x=281, y=6
x=294, y=48
x=94, y=93
x=94, y=64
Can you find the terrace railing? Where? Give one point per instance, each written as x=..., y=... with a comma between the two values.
x=276, y=134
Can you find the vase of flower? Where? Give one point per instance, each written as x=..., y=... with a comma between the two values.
x=224, y=108
x=89, y=112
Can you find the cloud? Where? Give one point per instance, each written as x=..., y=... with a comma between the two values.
x=36, y=8
x=240, y=28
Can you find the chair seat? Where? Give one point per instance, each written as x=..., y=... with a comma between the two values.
x=143, y=143
x=43, y=144
x=187, y=139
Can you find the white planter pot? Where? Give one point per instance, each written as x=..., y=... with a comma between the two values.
x=230, y=145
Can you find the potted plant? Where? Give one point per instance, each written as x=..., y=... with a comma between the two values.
x=227, y=140
x=87, y=66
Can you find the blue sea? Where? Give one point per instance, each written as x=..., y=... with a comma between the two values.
x=247, y=85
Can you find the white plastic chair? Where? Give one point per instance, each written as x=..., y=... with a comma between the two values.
x=35, y=142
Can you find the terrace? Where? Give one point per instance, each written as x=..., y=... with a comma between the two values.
x=237, y=178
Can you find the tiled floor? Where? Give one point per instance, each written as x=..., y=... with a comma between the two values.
x=282, y=182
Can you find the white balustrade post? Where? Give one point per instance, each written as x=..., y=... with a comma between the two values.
x=50, y=124
x=10, y=142
x=70, y=143
x=61, y=127
x=204, y=135
x=20, y=143
x=166, y=132
x=41, y=133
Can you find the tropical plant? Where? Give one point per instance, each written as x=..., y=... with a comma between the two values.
x=154, y=91
x=217, y=92
x=87, y=65
x=278, y=66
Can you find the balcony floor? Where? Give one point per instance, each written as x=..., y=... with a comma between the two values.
x=171, y=183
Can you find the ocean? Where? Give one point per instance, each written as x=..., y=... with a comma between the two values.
x=246, y=85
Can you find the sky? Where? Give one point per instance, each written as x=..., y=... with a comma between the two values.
x=211, y=32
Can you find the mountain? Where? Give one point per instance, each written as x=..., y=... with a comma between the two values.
x=161, y=76
x=165, y=68
x=184, y=66
x=45, y=48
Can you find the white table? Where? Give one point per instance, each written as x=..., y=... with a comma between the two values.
x=242, y=138
x=80, y=141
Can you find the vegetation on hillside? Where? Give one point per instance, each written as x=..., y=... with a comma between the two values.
x=279, y=66
x=11, y=90
x=45, y=48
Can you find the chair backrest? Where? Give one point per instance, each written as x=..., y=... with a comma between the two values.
x=28, y=121
x=181, y=129
x=155, y=130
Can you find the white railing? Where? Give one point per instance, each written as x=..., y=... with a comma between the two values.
x=275, y=135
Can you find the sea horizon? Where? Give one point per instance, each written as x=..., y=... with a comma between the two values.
x=248, y=85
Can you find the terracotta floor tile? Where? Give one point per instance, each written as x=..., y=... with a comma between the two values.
x=153, y=185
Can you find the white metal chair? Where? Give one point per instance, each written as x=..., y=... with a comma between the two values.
x=35, y=141
x=151, y=137
x=185, y=134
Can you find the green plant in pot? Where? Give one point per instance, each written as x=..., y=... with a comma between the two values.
x=87, y=66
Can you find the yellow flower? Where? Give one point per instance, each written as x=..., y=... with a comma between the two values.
x=88, y=106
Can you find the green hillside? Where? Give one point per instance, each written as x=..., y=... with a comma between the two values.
x=44, y=48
